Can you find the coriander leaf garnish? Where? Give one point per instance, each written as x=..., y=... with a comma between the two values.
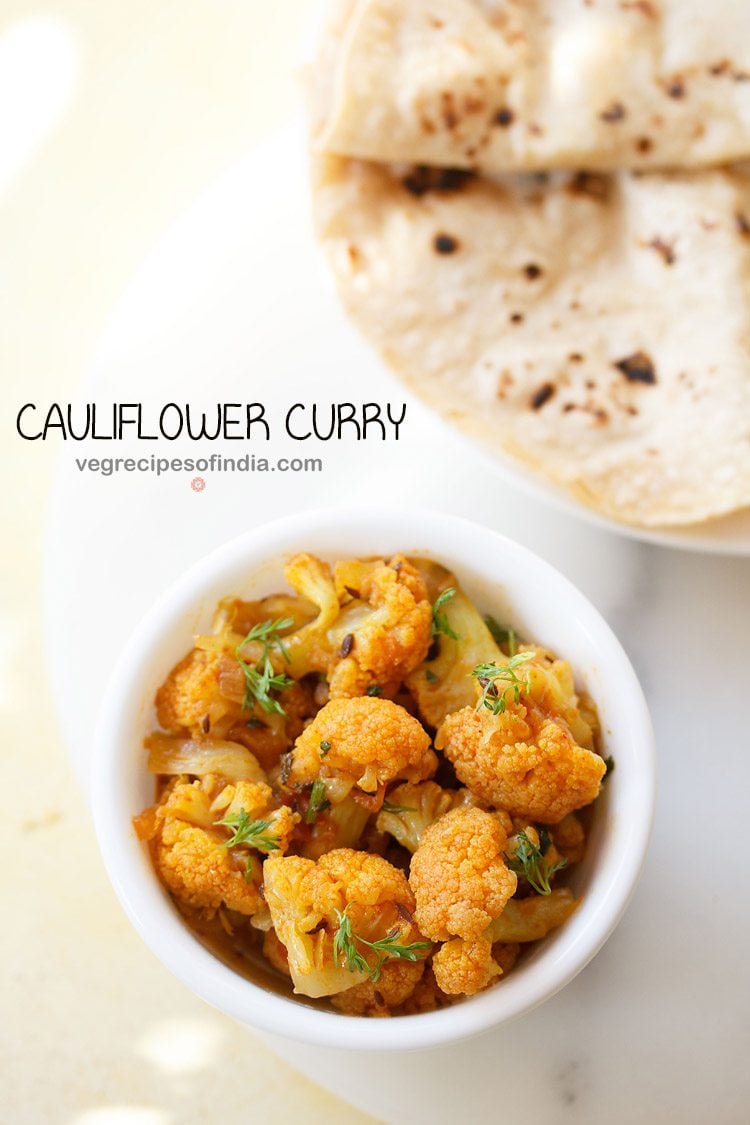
x=439, y=620
x=503, y=635
x=528, y=860
x=261, y=679
x=345, y=948
x=325, y=746
x=267, y=632
x=374, y=690
x=491, y=675
x=250, y=832
x=259, y=682
x=318, y=801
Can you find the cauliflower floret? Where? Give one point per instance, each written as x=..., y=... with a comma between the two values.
x=569, y=838
x=379, y=635
x=254, y=802
x=421, y=803
x=199, y=871
x=281, y=825
x=426, y=997
x=255, y=797
x=463, y=967
x=532, y=918
x=550, y=687
x=186, y=800
x=304, y=899
x=458, y=876
x=383, y=632
x=371, y=741
x=205, y=694
x=368, y=880
x=308, y=901
x=522, y=761
x=190, y=847
x=190, y=698
x=396, y=983
x=309, y=648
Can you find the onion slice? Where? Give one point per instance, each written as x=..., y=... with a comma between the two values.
x=189, y=756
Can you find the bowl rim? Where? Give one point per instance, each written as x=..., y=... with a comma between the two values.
x=157, y=921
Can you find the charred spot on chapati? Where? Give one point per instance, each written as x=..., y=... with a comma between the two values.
x=593, y=184
x=542, y=395
x=614, y=112
x=664, y=249
x=445, y=244
x=743, y=224
x=422, y=180
x=637, y=368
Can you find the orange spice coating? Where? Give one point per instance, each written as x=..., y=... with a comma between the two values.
x=458, y=875
x=521, y=761
x=372, y=741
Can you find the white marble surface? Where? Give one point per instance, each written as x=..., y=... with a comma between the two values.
x=656, y=1028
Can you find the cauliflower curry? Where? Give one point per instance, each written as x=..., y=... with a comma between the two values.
x=366, y=791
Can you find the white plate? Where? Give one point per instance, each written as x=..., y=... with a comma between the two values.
x=729, y=535
x=234, y=305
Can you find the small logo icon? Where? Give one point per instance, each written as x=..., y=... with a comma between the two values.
x=197, y=484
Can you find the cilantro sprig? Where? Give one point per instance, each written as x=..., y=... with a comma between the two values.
x=529, y=861
x=346, y=941
x=267, y=632
x=252, y=833
x=261, y=679
x=491, y=676
x=318, y=801
x=440, y=623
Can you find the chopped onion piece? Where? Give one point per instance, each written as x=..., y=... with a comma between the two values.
x=186, y=755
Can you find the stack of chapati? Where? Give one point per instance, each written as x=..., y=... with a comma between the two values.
x=537, y=211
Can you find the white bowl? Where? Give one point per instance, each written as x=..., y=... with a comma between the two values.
x=507, y=581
